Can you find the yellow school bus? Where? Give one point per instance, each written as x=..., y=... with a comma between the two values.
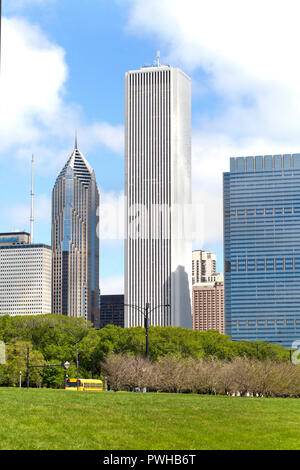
x=85, y=385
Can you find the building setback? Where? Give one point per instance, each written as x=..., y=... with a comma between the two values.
x=25, y=276
x=208, y=307
x=262, y=248
x=75, y=240
x=157, y=181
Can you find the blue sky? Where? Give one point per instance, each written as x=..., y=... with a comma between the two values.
x=63, y=67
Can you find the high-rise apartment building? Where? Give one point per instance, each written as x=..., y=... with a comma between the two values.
x=262, y=248
x=203, y=266
x=158, y=193
x=208, y=306
x=75, y=240
x=25, y=276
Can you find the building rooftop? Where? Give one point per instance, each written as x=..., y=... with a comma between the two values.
x=265, y=163
x=5, y=234
x=24, y=246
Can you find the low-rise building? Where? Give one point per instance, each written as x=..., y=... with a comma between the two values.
x=208, y=306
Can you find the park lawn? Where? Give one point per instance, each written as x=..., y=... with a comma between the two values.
x=58, y=419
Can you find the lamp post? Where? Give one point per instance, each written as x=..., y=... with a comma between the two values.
x=66, y=366
x=146, y=312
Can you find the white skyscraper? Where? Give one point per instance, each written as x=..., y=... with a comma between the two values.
x=158, y=196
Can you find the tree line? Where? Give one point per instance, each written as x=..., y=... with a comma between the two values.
x=51, y=340
x=240, y=376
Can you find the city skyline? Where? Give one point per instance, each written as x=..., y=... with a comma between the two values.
x=237, y=103
x=151, y=264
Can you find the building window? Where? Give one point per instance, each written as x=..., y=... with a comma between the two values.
x=227, y=266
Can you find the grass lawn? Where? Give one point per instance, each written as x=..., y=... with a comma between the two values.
x=58, y=419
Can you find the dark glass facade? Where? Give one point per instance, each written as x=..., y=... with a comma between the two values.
x=111, y=311
x=262, y=248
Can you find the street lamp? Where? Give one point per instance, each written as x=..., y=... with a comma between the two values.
x=66, y=366
x=145, y=312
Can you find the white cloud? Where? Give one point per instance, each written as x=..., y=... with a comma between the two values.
x=33, y=73
x=105, y=134
x=248, y=52
x=34, y=113
x=112, y=285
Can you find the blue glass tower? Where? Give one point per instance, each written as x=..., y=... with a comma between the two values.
x=262, y=248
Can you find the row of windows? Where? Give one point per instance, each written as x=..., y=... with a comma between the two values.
x=267, y=264
x=265, y=323
x=262, y=211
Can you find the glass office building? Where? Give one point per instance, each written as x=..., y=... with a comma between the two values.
x=75, y=240
x=111, y=311
x=262, y=248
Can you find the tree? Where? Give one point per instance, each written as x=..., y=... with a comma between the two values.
x=16, y=361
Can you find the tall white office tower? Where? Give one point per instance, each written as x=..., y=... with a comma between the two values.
x=158, y=196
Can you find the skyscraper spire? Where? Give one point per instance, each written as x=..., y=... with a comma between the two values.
x=32, y=201
x=76, y=143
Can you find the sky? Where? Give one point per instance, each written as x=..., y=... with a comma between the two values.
x=62, y=68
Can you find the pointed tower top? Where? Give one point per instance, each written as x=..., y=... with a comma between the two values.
x=76, y=143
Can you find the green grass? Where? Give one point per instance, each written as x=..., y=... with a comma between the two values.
x=58, y=419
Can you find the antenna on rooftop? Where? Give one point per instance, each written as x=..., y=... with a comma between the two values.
x=158, y=57
x=32, y=201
